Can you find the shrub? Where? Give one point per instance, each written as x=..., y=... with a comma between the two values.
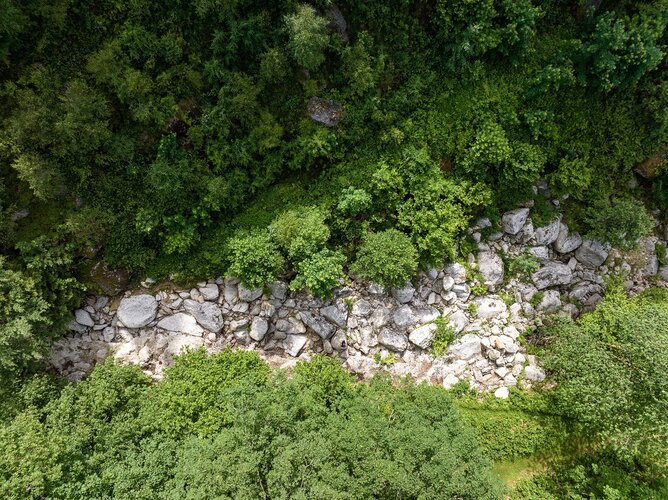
x=523, y=266
x=442, y=338
x=621, y=222
x=195, y=395
x=255, y=259
x=308, y=36
x=611, y=374
x=300, y=233
x=387, y=258
x=320, y=273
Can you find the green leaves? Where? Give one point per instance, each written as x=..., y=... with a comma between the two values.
x=255, y=259
x=387, y=258
x=308, y=37
x=610, y=374
x=224, y=426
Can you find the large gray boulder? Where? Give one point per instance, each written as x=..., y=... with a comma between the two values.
x=404, y=316
x=325, y=111
x=207, y=314
x=552, y=274
x=336, y=314
x=458, y=321
x=404, y=294
x=466, y=348
x=248, y=294
x=323, y=328
x=137, y=311
x=514, y=220
x=294, y=344
x=423, y=335
x=83, y=317
x=392, y=340
x=259, y=327
x=547, y=235
x=456, y=271
x=592, y=253
x=181, y=323
x=210, y=291
x=566, y=242
x=490, y=266
x=488, y=307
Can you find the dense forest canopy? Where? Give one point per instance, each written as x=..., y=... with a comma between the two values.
x=312, y=141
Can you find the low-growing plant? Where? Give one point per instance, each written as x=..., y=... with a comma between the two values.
x=443, y=337
x=387, y=258
x=388, y=360
x=523, y=266
x=537, y=299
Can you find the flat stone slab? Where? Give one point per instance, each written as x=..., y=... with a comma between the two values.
x=182, y=323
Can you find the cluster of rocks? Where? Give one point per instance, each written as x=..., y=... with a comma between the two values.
x=369, y=328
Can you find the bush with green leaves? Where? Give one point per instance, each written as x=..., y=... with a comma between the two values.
x=224, y=426
x=443, y=337
x=620, y=222
x=308, y=36
x=255, y=259
x=610, y=374
x=300, y=233
x=387, y=258
x=320, y=273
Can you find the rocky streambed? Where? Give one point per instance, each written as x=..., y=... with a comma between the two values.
x=371, y=329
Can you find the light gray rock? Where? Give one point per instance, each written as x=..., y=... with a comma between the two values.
x=247, y=295
x=566, y=242
x=466, y=348
x=552, y=274
x=392, y=340
x=513, y=221
x=663, y=273
x=404, y=316
x=294, y=344
x=335, y=314
x=361, y=308
x=423, y=335
x=547, y=235
x=108, y=333
x=210, y=291
x=320, y=326
x=462, y=292
x=592, y=253
x=551, y=302
x=83, y=317
x=230, y=292
x=447, y=283
x=259, y=327
x=502, y=393
x=325, y=111
x=458, y=321
x=137, y=311
x=181, y=323
x=489, y=307
x=456, y=271
x=541, y=253
x=380, y=317
x=491, y=267
x=534, y=374
x=278, y=290
x=450, y=380
x=207, y=314
x=404, y=294
x=483, y=222
x=75, y=326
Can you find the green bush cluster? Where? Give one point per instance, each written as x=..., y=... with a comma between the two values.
x=224, y=426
